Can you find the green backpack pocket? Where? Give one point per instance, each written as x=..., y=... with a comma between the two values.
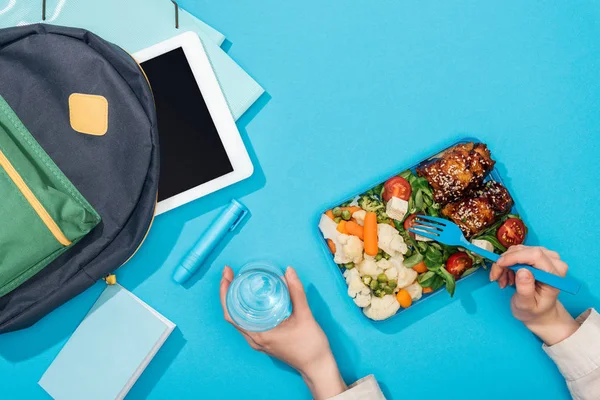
x=42, y=214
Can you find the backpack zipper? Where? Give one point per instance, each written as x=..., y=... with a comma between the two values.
x=33, y=201
x=156, y=202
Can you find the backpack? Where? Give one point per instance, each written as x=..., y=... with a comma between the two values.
x=114, y=167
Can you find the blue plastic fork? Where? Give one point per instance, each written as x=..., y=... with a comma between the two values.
x=448, y=233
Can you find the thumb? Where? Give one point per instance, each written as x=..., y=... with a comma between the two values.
x=525, y=296
x=297, y=294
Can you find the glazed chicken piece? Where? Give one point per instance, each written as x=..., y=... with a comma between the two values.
x=474, y=214
x=497, y=195
x=459, y=171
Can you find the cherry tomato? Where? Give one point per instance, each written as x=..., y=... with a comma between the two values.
x=458, y=263
x=409, y=222
x=396, y=187
x=511, y=232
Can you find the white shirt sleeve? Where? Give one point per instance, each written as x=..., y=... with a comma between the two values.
x=578, y=357
x=364, y=389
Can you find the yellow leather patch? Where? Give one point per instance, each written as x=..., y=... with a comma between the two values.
x=88, y=113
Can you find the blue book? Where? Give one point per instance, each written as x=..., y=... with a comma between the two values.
x=109, y=350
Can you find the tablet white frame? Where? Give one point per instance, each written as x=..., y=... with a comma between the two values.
x=219, y=111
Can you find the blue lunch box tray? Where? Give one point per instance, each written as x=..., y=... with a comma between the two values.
x=493, y=176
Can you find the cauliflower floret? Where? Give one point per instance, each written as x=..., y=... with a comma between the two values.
x=388, y=268
x=390, y=241
x=391, y=273
x=397, y=261
x=396, y=208
x=369, y=267
x=415, y=290
x=329, y=228
x=357, y=290
x=354, y=201
x=406, y=276
x=384, y=264
x=484, y=244
x=382, y=308
x=359, y=216
x=348, y=249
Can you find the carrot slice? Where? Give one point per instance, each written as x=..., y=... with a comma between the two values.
x=420, y=267
x=370, y=234
x=331, y=246
x=355, y=229
x=427, y=290
x=404, y=298
x=341, y=228
x=329, y=213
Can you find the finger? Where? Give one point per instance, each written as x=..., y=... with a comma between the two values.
x=561, y=267
x=514, y=248
x=511, y=277
x=226, y=279
x=551, y=254
x=297, y=294
x=533, y=256
x=503, y=280
x=495, y=272
x=524, y=299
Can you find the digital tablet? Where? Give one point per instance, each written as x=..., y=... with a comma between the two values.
x=201, y=150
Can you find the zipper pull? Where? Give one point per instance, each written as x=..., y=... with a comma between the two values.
x=110, y=279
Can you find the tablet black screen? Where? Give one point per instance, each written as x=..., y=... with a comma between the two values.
x=191, y=151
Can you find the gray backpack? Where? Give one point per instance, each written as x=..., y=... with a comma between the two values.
x=47, y=75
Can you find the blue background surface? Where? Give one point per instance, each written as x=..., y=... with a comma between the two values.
x=356, y=91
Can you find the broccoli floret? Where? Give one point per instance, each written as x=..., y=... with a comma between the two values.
x=382, y=217
x=370, y=204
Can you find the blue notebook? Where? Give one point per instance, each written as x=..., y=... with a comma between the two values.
x=109, y=350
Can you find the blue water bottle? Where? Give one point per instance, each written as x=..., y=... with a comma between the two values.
x=227, y=221
x=258, y=298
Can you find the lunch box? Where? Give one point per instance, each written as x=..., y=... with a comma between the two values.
x=493, y=176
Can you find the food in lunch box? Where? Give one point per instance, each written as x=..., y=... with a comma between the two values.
x=388, y=268
x=473, y=214
x=458, y=171
x=511, y=232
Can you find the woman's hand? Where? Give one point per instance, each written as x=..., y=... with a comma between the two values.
x=536, y=304
x=298, y=341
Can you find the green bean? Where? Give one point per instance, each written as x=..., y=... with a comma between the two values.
x=374, y=285
x=337, y=220
x=388, y=290
x=367, y=279
x=386, y=256
x=393, y=283
x=382, y=278
x=337, y=212
x=377, y=293
x=379, y=251
x=346, y=215
x=350, y=265
x=378, y=257
x=381, y=293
